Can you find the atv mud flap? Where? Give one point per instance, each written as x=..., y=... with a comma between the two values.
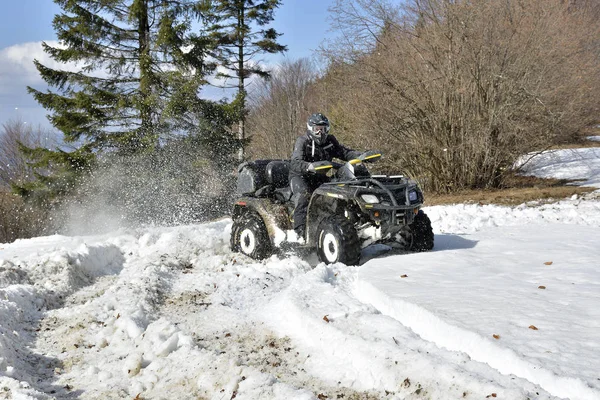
x=275, y=216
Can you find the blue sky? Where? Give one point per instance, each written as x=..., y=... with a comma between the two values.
x=26, y=23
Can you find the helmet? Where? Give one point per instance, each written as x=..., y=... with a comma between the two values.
x=318, y=127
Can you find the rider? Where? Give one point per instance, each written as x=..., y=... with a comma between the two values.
x=316, y=145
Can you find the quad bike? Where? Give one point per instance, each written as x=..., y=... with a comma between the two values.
x=351, y=211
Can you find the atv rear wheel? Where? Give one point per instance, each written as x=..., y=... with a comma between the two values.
x=422, y=233
x=249, y=236
x=338, y=241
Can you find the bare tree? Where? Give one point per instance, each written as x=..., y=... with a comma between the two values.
x=279, y=108
x=21, y=220
x=13, y=167
x=457, y=90
x=18, y=219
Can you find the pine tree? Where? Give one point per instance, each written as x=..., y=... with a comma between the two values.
x=130, y=62
x=238, y=32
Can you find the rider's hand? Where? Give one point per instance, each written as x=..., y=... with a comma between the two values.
x=319, y=167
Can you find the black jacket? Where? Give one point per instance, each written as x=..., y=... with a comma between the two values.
x=306, y=150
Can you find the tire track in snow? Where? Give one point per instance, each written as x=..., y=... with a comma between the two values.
x=444, y=335
x=98, y=329
x=216, y=302
x=31, y=289
x=365, y=350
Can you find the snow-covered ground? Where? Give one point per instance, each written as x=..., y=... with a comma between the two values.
x=582, y=165
x=506, y=306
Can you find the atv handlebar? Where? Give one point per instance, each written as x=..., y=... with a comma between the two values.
x=367, y=156
x=370, y=156
x=322, y=167
x=319, y=167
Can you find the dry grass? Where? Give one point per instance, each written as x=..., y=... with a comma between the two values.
x=519, y=190
x=582, y=141
x=582, y=144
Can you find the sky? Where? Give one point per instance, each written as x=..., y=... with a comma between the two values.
x=505, y=306
x=24, y=24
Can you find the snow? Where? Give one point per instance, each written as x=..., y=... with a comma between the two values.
x=578, y=164
x=507, y=305
x=510, y=288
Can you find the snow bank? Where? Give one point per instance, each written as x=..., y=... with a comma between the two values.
x=33, y=283
x=470, y=218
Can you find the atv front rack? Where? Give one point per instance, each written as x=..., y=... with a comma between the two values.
x=398, y=199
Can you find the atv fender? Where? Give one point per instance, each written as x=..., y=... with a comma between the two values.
x=322, y=204
x=274, y=216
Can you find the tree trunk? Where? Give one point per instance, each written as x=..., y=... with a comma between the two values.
x=143, y=138
x=241, y=88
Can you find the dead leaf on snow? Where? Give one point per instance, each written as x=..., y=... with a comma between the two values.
x=321, y=396
x=496, y=336
x=533, y=327
x=404, y=276
x=325, y=319
x=542, y=287
x=490, y=395
x=548, y=263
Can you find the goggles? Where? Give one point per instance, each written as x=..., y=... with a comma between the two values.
x=319, y=129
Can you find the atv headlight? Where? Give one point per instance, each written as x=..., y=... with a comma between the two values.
x=412, y=195
x=370, y=198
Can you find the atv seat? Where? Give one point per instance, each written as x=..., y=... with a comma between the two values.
x=278, y=176
x=278, y=173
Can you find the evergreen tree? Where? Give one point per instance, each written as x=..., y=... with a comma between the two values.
x=238, y=32
x=131, y=63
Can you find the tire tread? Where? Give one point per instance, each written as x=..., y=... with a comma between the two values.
x=422, y=232
x=350, y=244
x=251, y=220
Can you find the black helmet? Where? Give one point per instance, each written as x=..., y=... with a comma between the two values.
x=318, y=127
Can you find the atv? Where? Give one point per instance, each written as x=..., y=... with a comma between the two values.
x=351, y=211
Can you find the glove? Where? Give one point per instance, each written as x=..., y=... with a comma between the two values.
x=319, y=167
x=370, y=156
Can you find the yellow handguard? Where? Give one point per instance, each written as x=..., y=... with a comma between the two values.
x=372, y=157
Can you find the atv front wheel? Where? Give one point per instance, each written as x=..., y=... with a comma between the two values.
x=422, y=233
x=250, y=237
x=338, y=241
